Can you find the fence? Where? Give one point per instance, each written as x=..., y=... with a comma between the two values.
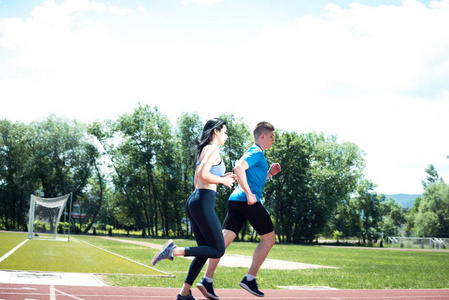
x=432, y=243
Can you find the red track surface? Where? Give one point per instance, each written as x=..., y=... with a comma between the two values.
x=46, y=292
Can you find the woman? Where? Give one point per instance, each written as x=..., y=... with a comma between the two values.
x=200, y=207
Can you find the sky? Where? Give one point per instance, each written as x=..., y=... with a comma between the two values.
x=371, y=72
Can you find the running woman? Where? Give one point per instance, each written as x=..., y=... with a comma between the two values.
x=200, y=206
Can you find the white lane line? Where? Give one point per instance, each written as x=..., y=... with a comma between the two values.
x=12, y=251
x=71, y=296
x=21, y=288
x=52, y=292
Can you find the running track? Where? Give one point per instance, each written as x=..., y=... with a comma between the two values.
x=50, y=292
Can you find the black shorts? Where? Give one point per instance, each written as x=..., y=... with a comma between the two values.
x=256, y=214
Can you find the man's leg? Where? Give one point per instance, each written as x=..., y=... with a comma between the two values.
x=229, y=236
x=205, y=285
x=260, y=254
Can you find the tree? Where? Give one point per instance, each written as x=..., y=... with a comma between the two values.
x=62, y=156
x=432, y=218
x=432, y=176
x=142, y=150
x=187, y=131
x=392, y=217
x=346, y=219
x=429, y=215
x=146, y=137
x=124, y=205
x=410, y=217
x=337, y=168
x=318, y=173
x=94, y=196
x=368, y=208
x=288, y=195
x=16, y=178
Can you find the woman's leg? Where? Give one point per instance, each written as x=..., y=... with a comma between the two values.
x=207, y=229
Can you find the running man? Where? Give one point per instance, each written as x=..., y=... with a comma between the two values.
x=244, y=204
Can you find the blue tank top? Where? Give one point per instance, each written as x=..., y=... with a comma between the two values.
x=217, y=170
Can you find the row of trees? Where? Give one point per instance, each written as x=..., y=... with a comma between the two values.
x=136, y=172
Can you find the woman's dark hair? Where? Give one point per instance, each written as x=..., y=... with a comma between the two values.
x=208, y=132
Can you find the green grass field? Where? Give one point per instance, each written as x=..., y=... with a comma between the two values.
x=60, y=256
x=355, y=268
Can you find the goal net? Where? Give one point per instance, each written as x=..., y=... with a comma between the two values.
x=45, y=215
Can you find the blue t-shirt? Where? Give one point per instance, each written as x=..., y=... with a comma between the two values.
x=256, y=174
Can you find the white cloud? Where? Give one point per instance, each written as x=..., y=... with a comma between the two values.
x=362, y=49
x=119, y=11
x=47, y=42
x=202, y=2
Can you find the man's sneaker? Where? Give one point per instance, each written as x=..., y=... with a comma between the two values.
x=207, y=289
x=188, y=297
x=165, y=253
x=251, y=286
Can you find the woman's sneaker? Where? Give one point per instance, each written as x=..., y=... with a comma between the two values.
x=165, y=253
x=251, y=286
x=188, y=297
x=207, y=289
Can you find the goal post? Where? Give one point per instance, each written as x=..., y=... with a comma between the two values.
x=45, y=215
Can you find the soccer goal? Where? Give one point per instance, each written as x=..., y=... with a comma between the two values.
x=45, y=215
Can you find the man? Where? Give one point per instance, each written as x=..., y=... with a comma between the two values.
x=244, y=204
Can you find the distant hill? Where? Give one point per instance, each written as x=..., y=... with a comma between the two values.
x=404, y=199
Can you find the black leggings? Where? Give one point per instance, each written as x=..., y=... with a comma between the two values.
x=200, y=209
